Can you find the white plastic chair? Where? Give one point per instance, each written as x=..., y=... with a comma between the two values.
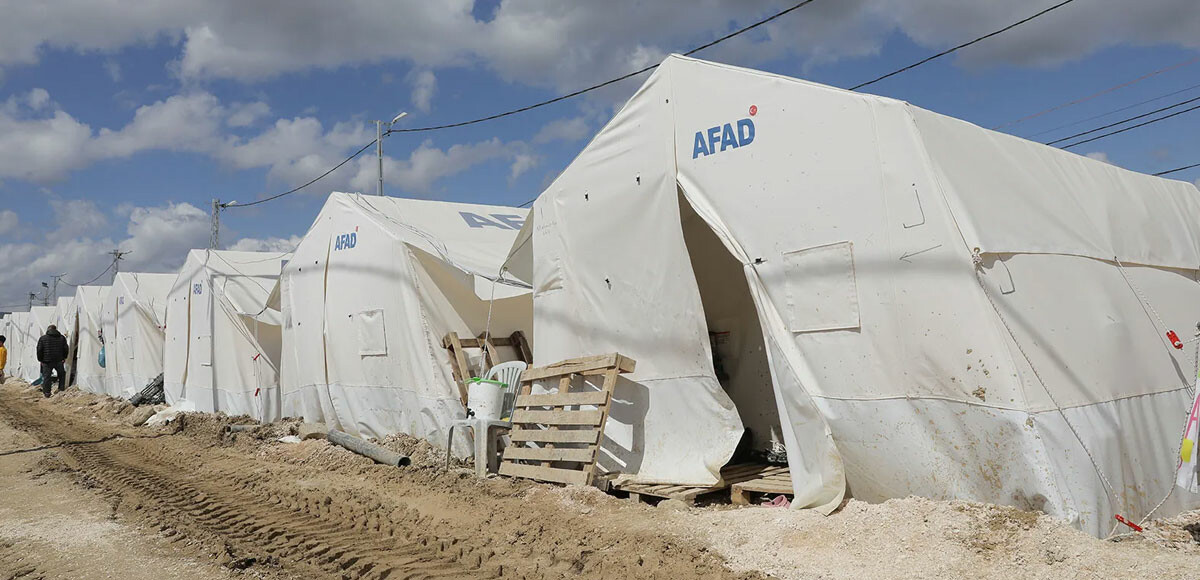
x=508, y=373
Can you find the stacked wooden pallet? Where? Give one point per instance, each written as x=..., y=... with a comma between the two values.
x=730, y=475
x=774, y=481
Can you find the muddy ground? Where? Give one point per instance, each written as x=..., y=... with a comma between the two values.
x=84, y=494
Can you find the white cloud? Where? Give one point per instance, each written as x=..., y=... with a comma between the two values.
x=428, y=164
x=246, y=114
x=569, y=130
x=565, y=45
x=159, y=237
x=113, y=68
x=1098, y=156
x=424, y=85
x=266, y=244
x=521, y=163
x=77, y=217
x=9, y=222
x=37, y=98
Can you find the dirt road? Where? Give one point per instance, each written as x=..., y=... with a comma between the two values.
x=84, y=495
x=245, y=503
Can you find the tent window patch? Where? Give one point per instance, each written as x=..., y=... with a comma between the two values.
x=368, y=325
x=821, y=290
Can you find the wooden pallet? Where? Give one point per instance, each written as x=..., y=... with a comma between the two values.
x=730, y=474
x=777, y=482
x=491, y=357
x=554, y=438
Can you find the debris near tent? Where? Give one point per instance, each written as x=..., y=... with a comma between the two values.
x=458, y=356
x=151, y=395
x=731, y=475
x=567, y=433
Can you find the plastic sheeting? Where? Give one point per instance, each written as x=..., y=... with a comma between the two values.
x=133, y=321
x=942, y=309
x=370, y=293
x=222, y=341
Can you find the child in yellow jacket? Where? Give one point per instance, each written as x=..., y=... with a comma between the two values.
x=3, y=359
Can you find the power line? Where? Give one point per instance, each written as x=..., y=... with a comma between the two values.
x=1123, y=121
x=1177, y=169
x=962, y=46
x=1115, y=111
x=98, y=276
x=1099, y=94
x=605, y=83
x=1131, y=127
x=737, y=32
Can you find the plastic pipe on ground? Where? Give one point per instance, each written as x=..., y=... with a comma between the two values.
x=379, y=454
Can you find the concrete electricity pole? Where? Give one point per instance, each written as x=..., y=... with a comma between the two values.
x=214, y=240
x=379, y=135
x=54, y=288
x=117, y=255
x=32, y=295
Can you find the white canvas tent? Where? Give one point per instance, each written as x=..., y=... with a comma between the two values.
x=40, y=318
x=17, y=343
x=133, y=321
x=370, y=293
x=89, y=303
x=66, y=317
x=222, y=342
x=909, y=303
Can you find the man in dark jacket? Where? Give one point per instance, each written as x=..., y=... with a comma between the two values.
x=51, y=352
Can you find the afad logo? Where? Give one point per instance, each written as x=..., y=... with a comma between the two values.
x=346, y=241
x=728, y=136
x=502, y=221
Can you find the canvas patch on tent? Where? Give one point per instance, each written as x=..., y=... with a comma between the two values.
x=821, y=290
x=372, y=339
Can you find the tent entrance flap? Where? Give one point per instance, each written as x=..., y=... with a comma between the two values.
x=736, y=337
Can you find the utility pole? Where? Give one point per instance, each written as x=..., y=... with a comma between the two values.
x=379, y=134
x=215, y=239
x=32, y=295
x=54, y=288
x=117, y=255
x=45, y=294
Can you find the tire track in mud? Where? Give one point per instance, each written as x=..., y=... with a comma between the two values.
x=16, y=565
x=257, y=523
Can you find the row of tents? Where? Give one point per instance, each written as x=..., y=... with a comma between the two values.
x=897, y=302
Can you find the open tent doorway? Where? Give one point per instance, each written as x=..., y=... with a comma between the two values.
x=735, y=333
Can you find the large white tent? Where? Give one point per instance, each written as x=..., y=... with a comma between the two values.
x=367, y=298
x=133, y=321
x=17, y=343
x=908, y=303
x=222, y=341
x=66, y=317
x=40, y=318
x=89, y=304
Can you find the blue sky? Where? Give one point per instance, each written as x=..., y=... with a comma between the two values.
x=119, y=121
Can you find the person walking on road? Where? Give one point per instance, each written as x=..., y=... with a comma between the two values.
x=51, y=352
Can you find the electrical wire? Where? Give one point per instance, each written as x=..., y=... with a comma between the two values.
x=1170, y=171
x=1115, y=111
x=98, y=276
x=310, y=182
x=962, y=46
x=1131, y=127
x=737, y=32
x=1123, y=121
x=1099, y=94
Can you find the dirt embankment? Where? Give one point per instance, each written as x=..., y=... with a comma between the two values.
x=310, y=510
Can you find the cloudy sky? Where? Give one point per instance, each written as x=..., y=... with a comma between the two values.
x=120, y=120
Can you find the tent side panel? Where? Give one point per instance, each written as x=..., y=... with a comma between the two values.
x=612, y=273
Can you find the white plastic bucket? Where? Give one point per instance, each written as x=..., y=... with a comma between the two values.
x=485, y=399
